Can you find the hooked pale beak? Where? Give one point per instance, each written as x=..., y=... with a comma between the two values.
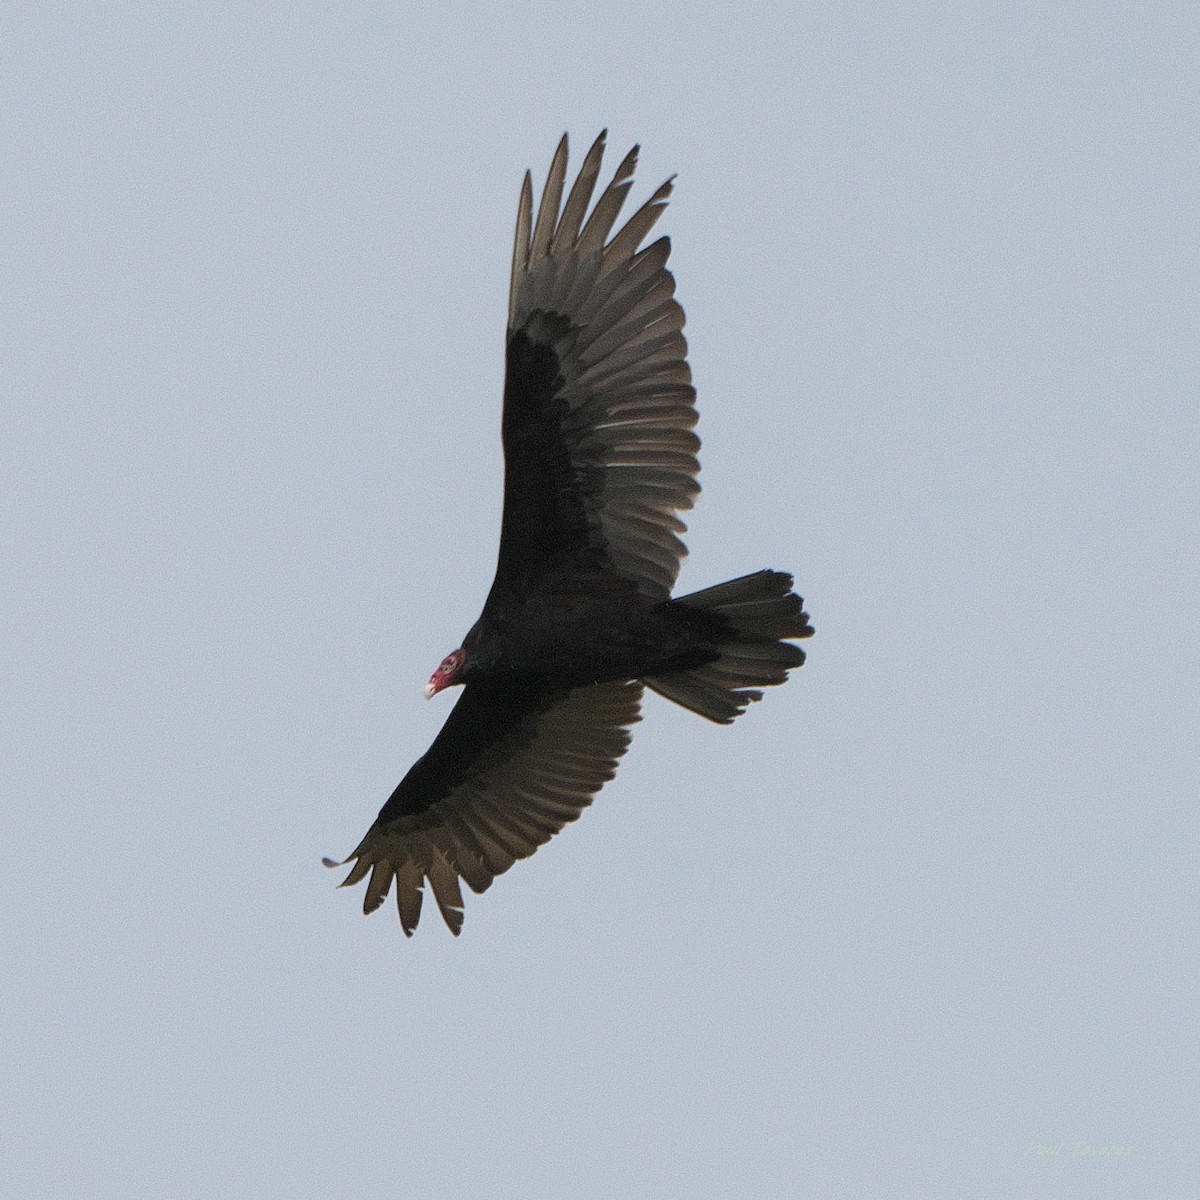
x=430, y=690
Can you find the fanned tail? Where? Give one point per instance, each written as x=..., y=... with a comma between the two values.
x=759, y=612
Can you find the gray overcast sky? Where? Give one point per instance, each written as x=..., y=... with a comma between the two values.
x=923, y=923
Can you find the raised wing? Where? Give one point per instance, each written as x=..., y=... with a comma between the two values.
x=598, y=402
x=505, y=774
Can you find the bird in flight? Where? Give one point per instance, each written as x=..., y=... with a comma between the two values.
x=600, y=457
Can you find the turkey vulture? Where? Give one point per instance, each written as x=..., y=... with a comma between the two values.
x=599, y=457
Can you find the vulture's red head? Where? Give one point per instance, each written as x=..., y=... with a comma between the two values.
x=449, y=673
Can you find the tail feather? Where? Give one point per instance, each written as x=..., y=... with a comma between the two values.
x=758, y=612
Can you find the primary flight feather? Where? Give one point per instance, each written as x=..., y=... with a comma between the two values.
x=599, y=459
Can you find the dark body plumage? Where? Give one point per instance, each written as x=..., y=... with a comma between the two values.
x=599, y=458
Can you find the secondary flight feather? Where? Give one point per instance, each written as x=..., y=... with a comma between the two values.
x=600, y=458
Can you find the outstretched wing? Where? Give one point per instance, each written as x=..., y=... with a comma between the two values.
x=598, y=402
x=508, y=770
